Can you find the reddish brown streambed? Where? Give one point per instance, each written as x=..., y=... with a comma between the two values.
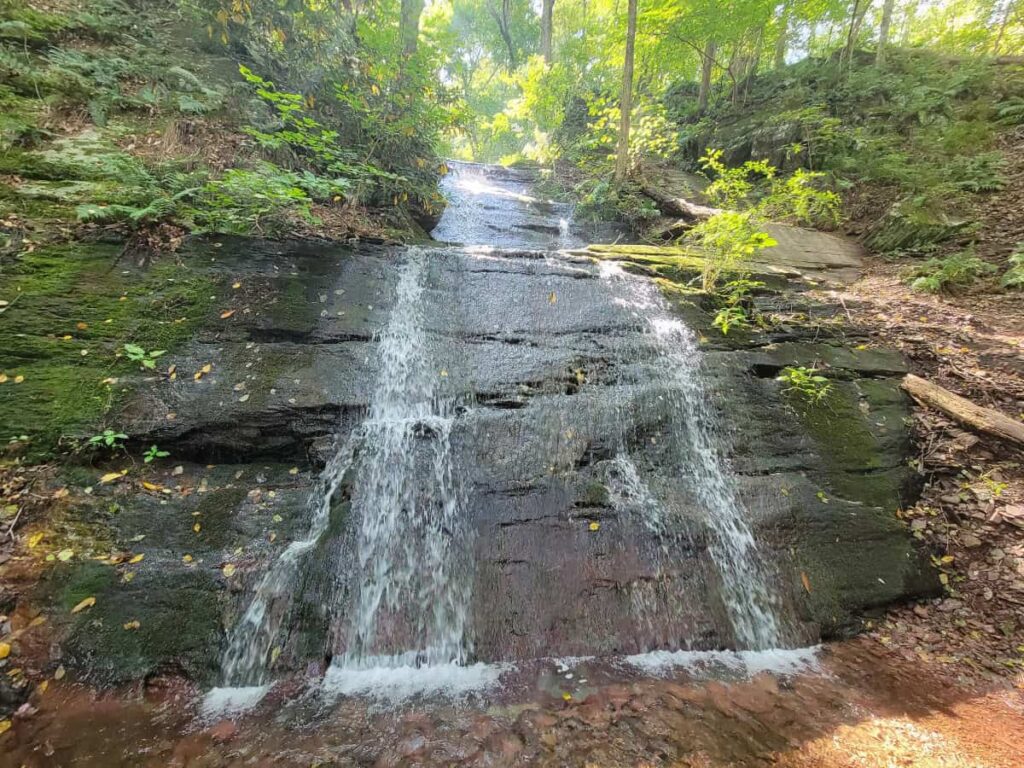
x=861, y=707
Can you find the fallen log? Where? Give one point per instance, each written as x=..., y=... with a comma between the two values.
x=677, y=206
x=986, y=420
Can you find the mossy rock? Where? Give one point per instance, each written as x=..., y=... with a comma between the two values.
x=73, y=307
x=178, y=615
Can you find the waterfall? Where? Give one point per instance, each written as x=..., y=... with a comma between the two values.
x=250, y=642
x=750, y=602
x=413, y=581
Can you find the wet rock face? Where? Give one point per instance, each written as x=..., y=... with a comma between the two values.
x=550, y=376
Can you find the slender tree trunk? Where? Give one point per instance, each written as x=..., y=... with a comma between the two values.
x=1010, y=4
x=502, y=20
x=782, y=41
x=883, y=31
x=547, y=11
x=409, y=24
x=860, y=9
x=706, y=70
x=626, y=102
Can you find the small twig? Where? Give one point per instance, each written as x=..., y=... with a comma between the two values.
x=14, y=522
x=11, y=303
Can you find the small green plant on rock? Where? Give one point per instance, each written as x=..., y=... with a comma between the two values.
x=137, y=354
x=805, y=383
x=153, y=453
x=736, y=311
x=108, y=438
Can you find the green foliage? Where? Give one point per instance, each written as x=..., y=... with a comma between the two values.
x=137, y=354
x=1014, y=275
x=728, y=239
x=108, y=438
x=732, y=186
x=802, y=199
x=153, y=453
x=736, y=310
x=805, y=383
x=602, y=199
x=951, y=273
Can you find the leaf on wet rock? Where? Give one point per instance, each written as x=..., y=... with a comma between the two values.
x=552, y=298
x=110, y=477
x=65, y=554
x=197, y=527
x=202, y=371
x=5, y=650
x=130, y=625
x=293, y=471
x=228, y=570
x=59, y=673
x=186, y=559
x=226, y=314
x=136, y=559
x=274, y=654
x=88, y=602
x=595, y=526
x=151, y=486
x=34, y=539
x=5, y=726
x=805, y=580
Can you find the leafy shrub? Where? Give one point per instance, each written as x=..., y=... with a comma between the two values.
x=603, y=200
x=727, y=239
x=950, y=273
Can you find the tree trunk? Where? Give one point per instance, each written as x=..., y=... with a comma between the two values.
x=985, y=420
x=547, y=11
x=502, y=20
x=1002, y=27
x=626, y=102
x=860, y=9
x=782, y=41
x=706, y=70
x=409, y=25
x=883, y=32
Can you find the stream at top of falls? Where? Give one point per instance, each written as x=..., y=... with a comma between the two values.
x=409, y=607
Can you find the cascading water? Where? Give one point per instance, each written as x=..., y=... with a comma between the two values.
x=413, y=581
x=750, y=602
x=251, y=641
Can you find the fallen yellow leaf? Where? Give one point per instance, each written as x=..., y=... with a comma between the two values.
x=81, y=326
x=5, y=650
x=567, y=696
x=552, y=298
x=65, y=554
x=59, y=673
x=151, y=486
x=111, y=477
x=197, y=527
x=187, y=559
x=132, y=625
x=229, y=570
x=89, y=602
x=226, y=314
x=236, y=286
x=805, y=581
x=274, y=654
x=34, y=539
x=5, y=726
x=18, y=379
x=136, y=559
x=595, y=526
